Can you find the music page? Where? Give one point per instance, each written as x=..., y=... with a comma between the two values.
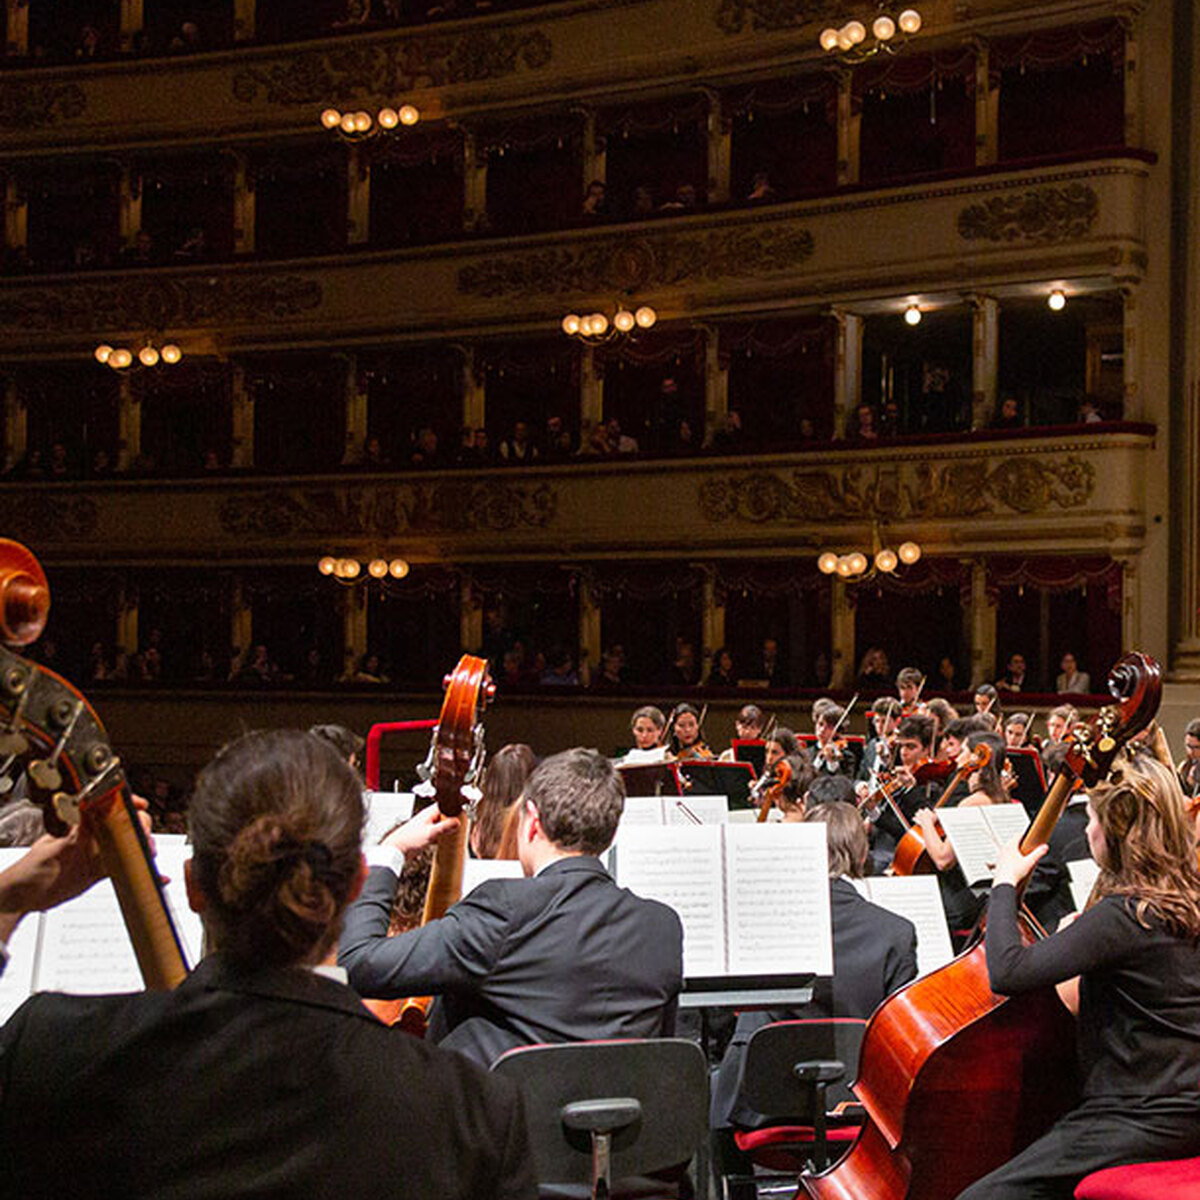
x=710, y=810
x=919, y=899
x=85, y=947
x=385, y=810
x=777, y=889
x=974, y=842
x=1083, y=878
x=16, y=983
x=1007, y=821
x=480, y=870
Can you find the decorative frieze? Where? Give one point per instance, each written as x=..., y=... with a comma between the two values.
x=25, y=105
x=1045, y=214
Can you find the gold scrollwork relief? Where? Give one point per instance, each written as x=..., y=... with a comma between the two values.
x=1045, y=214
x=447, y=507
x=388, y=68
x=920, y=490
x=733, y=16
x=36, y=517
x=25, y=105
x=629, y=264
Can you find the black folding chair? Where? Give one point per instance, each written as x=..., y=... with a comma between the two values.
x=606, y=1116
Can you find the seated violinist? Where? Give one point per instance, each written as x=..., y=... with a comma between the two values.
x=647, y=725
x=885, y=718
x=787, y=786
x=832, y=753
x=747, y=727
x=1133, y=953
x=914, y=740
x=687, y=738
x=909, y=684
x=782, y=743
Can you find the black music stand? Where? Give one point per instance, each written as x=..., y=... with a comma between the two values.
x=752, y=751
x=650, y=779
x=707, y=777
x=1031, y=778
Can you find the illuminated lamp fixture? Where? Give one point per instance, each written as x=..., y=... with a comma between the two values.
x=1057, y=300
x=595, y=328
x=350, y=571
x=884, y=33
x=119, y=357
x=857, y=566
x=359, y=125
x=912, y=314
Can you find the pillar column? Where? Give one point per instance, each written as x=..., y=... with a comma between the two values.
x=848, y=124
x=355, y=627
x=712, y=628
x=595, y=153
x=129, y=423
x=16, y=423
x=985, y=358
x=1134, y=125
x=358, y=197
x=590, y=633
x=841, y=635
x=16, y=40
x=983, y=625
x=132, y=23
x=474, y=391
x=474, y=184
x=242, y=441
x=127, y=622
x=1132, y=408
x=470, y=620
x=356, y=414
x=241, y=622
x=244, y=20
x=847, y=376
x=591, y=389
x=1131, y=604
x=720, y=141
x=716, y=386
x=130, y=205
x=16, y=214
x=243, y=206
x=987, y=108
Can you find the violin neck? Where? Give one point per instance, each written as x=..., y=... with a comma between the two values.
x=446, y=875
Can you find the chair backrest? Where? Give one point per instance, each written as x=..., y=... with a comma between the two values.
x=769, y=1083
x=668, y=1077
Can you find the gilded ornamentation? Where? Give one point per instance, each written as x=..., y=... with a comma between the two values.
x=907, y=490
x=448, y=507
x=35, y=516
x=1045, y=214
x=138, y=302
x=390, y=68
x=34, y=105
x=629, y=264
x=765, y=15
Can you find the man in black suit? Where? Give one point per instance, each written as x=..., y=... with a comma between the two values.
x=874, y=953
x=562, y=955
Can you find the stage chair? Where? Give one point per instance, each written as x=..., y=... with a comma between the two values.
x=1176, y=1180
x=605, y=1116
x=798, y=1074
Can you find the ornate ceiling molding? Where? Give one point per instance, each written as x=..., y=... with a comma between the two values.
x=493, y=506
x=390, y=68
x=901, y=490
x=138, y=302
x=764, y=16
x=25, y=106
x=1044, y=214
x=630, y=264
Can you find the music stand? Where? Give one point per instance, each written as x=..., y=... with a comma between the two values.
x=752, y=751
x=711, y=778
x=650, y=779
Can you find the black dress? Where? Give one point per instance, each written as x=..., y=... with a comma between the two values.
x=1138, y=1038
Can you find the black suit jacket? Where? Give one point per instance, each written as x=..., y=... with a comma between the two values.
x=874, y=953
x=246, y=1083
x=564, y=956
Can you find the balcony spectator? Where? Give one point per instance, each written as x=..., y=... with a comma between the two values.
x=60, y=462
x=187, y=40
x=98, y=668
x=685, y=671
x=863, y=429
x=806, y=433
x=87, y=46
x=314, y=672
x=946, y=672
x=619, y=443
x=889, y=421
x=1089, y=412
x=369, y=670
x=211, y=461
x=722, y=674
x=874, y=671
x=193, y=248
x=474, y=450
x=560, y=670
x=761, y=191
x=32, y=466
x=772, y=666
x=1016, y=677
x=1008, y=415
x=373, y=457
x=683, y=202
x=684, y=441
x=84, y=256
x=140, y=252
x=426, y=453
x=558, y=444
x=729, y=439
x=518, y=448
x=611, y=676
x=1071, y=679
x=595, y=202
x=256, y=668
x=941, y=403
x=642, y=206
x=593, y=440
x=101, y=467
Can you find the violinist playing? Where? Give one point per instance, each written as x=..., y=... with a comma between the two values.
x=831, y=753
x=1189, y=767
x=909, y=684
x=782, y=743
x=747, y=727
x=687, y=737
x=912, y=747
x=648, y=727
x=877, y=756
x=1134, y=951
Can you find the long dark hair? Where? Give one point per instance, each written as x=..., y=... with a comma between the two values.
x=503, y=780
x=276, y=823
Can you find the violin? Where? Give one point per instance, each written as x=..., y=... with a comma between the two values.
x=768, y=790
x=945, y=1044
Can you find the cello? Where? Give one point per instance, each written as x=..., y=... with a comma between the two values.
x=945, y=1054
x=449, y=775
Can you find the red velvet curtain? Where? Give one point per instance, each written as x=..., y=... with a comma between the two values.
x=535, y=174
x=417, y=189
x=300, y=201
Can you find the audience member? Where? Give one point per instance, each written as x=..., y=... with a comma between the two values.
x=1016, y=678
x=761, y=191
x=518, y=447
x=1008, y=415
x=1071, y=679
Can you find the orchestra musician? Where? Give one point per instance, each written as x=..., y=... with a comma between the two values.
x=781, y=744
x=987, y=703
x=1133, y=950
x=224, y=1086
x=1059, y=723
x=877, y=754
x=493, y=833
x=747, y=727
x=648, y=726
x=687, y=738
x=561, y=955
x=942, y=712
x=909, y=684
x=914, y=740
x=1016, y=731
x=1189, y=766
x=832, y=753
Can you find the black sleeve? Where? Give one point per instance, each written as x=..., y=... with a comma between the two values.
x=1102, y=935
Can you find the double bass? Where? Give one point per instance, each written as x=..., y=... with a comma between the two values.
x=956, y=1080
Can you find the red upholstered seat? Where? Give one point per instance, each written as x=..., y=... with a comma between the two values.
x=788, y=1148
x=1175, y=1180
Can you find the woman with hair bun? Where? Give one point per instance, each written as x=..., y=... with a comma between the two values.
x=262, y=1073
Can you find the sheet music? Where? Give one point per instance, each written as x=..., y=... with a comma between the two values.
x=640, y=811
x=1083, y=876
x=712, y=810
x=919, y=899
x=16, y=983
x=681, y=866
x=85, y=947
x=171, y=851
x=480, y=870
x=385, y=810
x=777, y=889
x=974, y=842
x=1007, y=821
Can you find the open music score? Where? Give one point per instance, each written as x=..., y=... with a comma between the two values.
x=673, y=810
x=919, y=899
x=385, y=810
x=82, y=947
x=1083, y=874
x=977, y=833
x=754, y=900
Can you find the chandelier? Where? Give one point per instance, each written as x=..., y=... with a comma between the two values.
x=854, y=43
x=857, y=566
x=350, y=571
x=120, y=357
x=359, y=126
x=596, y=327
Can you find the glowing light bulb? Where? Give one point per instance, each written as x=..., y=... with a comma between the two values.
x=327, y=565
x=856, y=31
x=362, y=122
x=571, y=324
x=148, y=356
x=347, y=123
x=398, y=568
x=351, y=568
x=378, y=568
x=331, y=118
x=827, y=563
x=409, y=114
x=120, y=359
x=1057, y=300
x=858, y=562
x=103, y=353
x=829, y=40
x=909, y=553
x=844, y=42
x=599, y=324
x=886, y=560
x=171, y=353
x=912, y=314
x=624, y=320
x=645, y=316
x=910, y=20
x=884, y=28
x=388, y=118
x=843, y=566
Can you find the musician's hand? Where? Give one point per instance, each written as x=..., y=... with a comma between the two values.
x=925, y=819
x=1012, y=866
x=421, y=830
x=862, y=789
x=54, y=869
x=906, y=778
